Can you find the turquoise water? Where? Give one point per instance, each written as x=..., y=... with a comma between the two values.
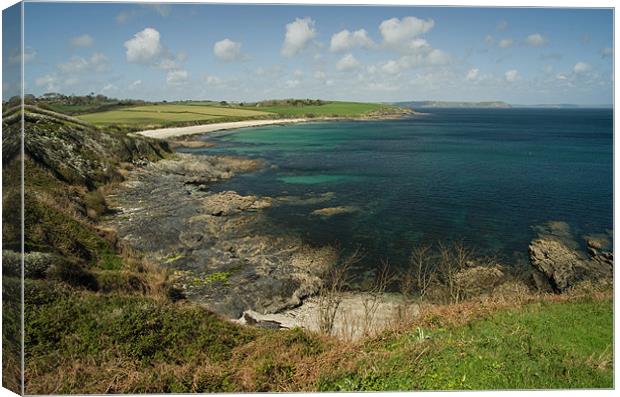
x=485, y=177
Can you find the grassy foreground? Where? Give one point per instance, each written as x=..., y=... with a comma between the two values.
x=538, y=346
x=91, y=343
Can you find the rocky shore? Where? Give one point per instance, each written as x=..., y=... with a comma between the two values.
x=215, y=244
x=559, y=263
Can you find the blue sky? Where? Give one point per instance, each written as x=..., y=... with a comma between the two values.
x=227, y=52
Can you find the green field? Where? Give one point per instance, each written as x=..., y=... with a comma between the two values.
x=188, y=113
x=167, y=114
x=342, y=109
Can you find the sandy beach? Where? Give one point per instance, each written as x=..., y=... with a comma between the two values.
x=165, y=133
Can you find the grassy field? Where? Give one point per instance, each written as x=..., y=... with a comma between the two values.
x=342, y=109
x=165, y=114
x=188, y=113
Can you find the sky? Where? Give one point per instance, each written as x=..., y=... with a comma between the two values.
x=364, y=53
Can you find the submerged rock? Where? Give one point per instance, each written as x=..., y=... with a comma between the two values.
x=331, y=211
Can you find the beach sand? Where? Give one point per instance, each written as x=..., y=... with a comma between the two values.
x=165, y=133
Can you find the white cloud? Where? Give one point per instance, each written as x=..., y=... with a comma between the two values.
x=135, y=84
x=345, y=40
x=502, y=25
x=82, y=41
x=536, y=40
x=16, y=57
x=167, y=64
x=74, y=65
x=473, y=74
x=162, y=9
x=581, y=67
x=512, y=75
x=228, y=50
x=489, y=40
x=320, y=75
x=212, y=80
x=505, y=43
x=145, y=47
x=607, y=52
x=292, y=83
x=298, y=73
x=298, y=34
x=48, y=81
x=391, y=67
x=71, y=81
x=96, y=63
x=123, y=16
x=399, y=32
x=347, y=62
x=109, y=88
x=177, y=77
x=436, y=57
x=381, y=86
x=429, y=57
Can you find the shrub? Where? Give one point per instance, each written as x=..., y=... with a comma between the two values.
x=95, y=204
x=72, y=274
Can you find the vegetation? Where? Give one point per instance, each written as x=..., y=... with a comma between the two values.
x=169, y=114
x=73, y=104
x=198, y=112
x=133, y=114
x=539, y=346
x=88, y=342
x=328, y=109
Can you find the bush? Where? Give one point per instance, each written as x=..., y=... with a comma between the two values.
x=95, y=204
x=11, y=264
x=72, y=274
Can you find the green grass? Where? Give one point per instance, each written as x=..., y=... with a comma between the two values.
x=82, y=108
x=193, y=112
x=142, y=329
x=343, y=109
x=167, y=114
x=540, y=346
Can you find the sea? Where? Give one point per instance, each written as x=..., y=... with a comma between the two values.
x=486, y=178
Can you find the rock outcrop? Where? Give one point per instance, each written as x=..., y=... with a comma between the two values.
x=561, y=267
x=65, y=162
x=478, y=280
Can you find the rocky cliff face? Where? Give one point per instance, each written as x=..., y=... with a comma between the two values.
x=66, y=164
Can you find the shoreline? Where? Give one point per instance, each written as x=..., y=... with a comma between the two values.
x=174, y=132
x=177, y=132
